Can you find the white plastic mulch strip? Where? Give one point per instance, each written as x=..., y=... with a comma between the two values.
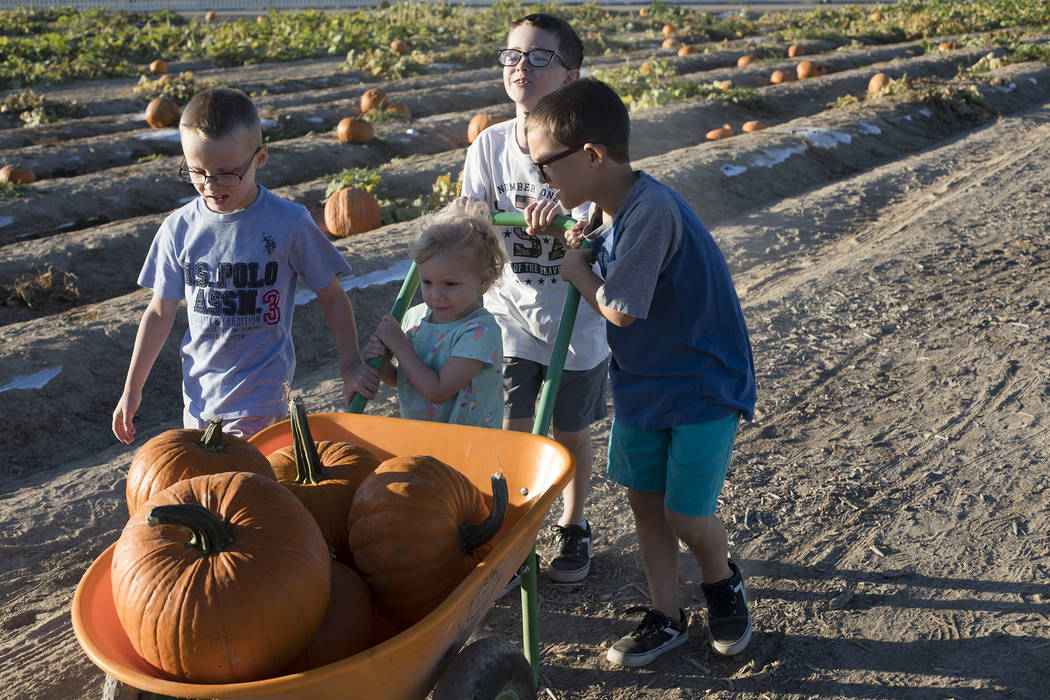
x=159, y=135
x=395, y=272
x=824, y=138
x=33, y=381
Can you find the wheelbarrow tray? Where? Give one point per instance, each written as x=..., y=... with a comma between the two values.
x=407, y=664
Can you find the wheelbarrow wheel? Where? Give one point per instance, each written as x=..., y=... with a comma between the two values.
x=488, y=669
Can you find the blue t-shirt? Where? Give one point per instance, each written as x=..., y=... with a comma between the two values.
x=687, y=358
x=476, y=336
x=238, y=274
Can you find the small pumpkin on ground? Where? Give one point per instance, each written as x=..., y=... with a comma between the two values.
x=686, y=50
x=795, y=50
x=417, y=529
x=806, y=69
x=158, y=67
x=222, y=578
x=351, y=210
x=324, y=476
x=748, y=127
x=183, y=453
x=400, y=109
x=725, y=132
x=480, y=122
x=350, y=130
x=17, y=174
x=877, y=83
x=669, y=30
x=670, y=43
x=744, y=60
x=347, y=625
x=161, y=112
x=399, y=46
x=373, y=98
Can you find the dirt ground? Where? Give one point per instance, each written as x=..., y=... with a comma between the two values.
x=888, y=507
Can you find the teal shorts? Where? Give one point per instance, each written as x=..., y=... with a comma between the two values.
x=686, y=463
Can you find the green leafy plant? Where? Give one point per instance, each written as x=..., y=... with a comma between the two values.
x=366, y=179
x=656, y=82
x=33, y=109
x=177, y=88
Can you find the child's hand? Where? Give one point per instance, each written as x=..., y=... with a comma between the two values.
x=123, y=415
x=539, y=215
x=361, y=379
x=390, y=333
x=576, y=264
x=373, y=348
x=574, y=237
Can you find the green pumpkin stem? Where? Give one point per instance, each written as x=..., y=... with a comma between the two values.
x=208, y=532
x=473, y=536
x=212, y=440
x=308, y=467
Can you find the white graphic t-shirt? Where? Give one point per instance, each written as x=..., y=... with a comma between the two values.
x=238, y=275
x=528, y=298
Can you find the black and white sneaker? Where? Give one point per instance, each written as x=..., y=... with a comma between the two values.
x=573, y=563
x=654, y=635
x=729, y=620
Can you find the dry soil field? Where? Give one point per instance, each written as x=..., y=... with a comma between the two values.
x=889, y=504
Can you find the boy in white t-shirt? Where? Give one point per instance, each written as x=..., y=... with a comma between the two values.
x=543, y=53
x=235, y=255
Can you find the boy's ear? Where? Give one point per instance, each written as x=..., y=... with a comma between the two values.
x=572, y=75
x=261, y=157
x=596, y=153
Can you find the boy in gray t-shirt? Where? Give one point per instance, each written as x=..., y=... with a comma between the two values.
x=235, y=254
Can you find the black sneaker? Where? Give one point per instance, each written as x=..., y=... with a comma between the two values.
x=654, y=635
x=512, y=585
x=573, y=563
x=729, y=619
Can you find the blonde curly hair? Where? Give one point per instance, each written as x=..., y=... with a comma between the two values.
x=463, y=227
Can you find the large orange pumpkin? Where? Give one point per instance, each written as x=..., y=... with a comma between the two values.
x=17, y=174
x=480, y=122
x=158, y=67
x=324, y=476
x=417, y=529
x=161, y=112
x=347, y=625
x=351, y=211
x=222, y=578
x=350, y=130
x=184, y=453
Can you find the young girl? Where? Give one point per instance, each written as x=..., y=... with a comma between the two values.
x=449, y=349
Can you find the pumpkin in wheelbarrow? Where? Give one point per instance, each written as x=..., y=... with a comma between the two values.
x=221, y=578
x=417, y=529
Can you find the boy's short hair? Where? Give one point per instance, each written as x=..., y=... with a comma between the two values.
x=570, y=48
x=584, y=111
x=219, y=112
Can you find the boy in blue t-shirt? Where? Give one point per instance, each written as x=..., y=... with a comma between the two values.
x=682, y=372
x=235, y=255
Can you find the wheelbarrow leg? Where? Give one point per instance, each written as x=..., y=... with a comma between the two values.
x=530, y=612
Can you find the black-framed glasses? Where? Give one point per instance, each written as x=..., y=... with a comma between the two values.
x=541, y=164
x=537, y=58
x=196, y=177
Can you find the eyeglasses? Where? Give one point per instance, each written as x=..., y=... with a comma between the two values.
x=542, y=164
x=537, y=58
x=196, y=177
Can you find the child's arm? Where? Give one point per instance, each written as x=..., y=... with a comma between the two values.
x=434, y=387
x=374, y=348
x=576, y=268
x=154, y=328
x=339, y=315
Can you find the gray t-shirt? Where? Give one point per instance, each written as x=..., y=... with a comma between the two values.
x=238, y=275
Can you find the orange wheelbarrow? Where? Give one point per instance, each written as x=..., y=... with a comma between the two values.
x=430, y=654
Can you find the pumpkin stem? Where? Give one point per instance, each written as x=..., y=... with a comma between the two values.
x=208, y=532
x=212, y=440
x=473, y=536
x=308, y=467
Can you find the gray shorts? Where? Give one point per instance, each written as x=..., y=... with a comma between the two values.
x=581, y=393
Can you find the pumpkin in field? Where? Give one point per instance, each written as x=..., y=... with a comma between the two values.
x=347, y=625
x=725, y=132
x=221, y=578
x=795, y=50
x=400, y=109
x=351, y=211
x=779, y=76
x=399, y=46
x=184, y=453
x=158, y=67
x=17, y=174
x=686, y=50
x=877, y=83
x=668, y=30
x=373, y=98
x=725, y=84
x=209, y=16
x=748, y=127
x=945, y=46
x=744, y=60
x=670, y=43
x=806, y=69
x=324, y=476
x=480, y=122
x=350, y=130
x=417, y=529
x=161, y=112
